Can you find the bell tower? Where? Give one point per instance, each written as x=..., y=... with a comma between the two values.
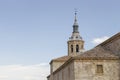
x=75, y=42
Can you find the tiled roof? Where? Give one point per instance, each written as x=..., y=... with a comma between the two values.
x=97, y=53
x=63, y=58
x=114, y=37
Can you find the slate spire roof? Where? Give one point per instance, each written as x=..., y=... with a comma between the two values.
x=75, y=25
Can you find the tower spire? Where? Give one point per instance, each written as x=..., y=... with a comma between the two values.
x=75, y=42
x=75, y=22
x=75, y=25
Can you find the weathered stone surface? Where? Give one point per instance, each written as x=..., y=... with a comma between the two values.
x=80, y=43
x=67, y=73
x=86, y=70
x=55, y=65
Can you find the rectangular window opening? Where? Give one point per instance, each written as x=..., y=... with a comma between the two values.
x=99, y=69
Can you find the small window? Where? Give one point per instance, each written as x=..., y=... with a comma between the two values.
x=71, y=48
x=99, y=69
x=77, y=48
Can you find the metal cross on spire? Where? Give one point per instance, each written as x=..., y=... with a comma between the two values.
x=75, y=21
x=75, y=11
x=75, y=15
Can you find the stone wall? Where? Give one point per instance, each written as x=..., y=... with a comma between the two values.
x=66, y=73
x=55, y=65
x=86, y=70
x=80, y=43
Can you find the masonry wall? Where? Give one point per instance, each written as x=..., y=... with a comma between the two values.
x=74, y=43
x=55, y=65
x=66, y=73
x=86, y=70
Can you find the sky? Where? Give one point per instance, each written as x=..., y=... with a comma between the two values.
x=32, y=32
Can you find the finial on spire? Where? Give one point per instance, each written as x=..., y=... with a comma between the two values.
x=75, y=15
x=75, y=22
x=75, y=11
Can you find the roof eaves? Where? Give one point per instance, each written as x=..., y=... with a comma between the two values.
x=96, y=58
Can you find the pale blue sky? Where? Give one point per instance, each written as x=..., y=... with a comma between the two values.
x=34, y=31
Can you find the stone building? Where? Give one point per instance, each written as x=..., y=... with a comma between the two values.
x=99, y=63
